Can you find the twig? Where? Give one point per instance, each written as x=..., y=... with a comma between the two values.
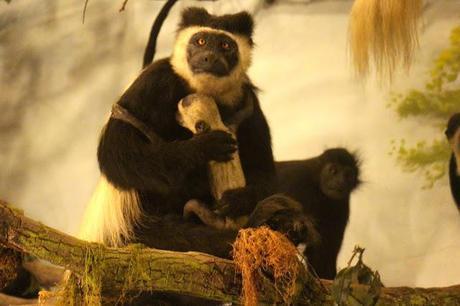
x=84, y=11
x=123, y=6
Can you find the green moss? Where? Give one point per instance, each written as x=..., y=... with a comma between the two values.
x=85, y=290
x=136, y=271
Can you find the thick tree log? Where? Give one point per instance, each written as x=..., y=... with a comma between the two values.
x=136, y=268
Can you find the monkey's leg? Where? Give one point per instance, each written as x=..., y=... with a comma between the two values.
x=208, y=217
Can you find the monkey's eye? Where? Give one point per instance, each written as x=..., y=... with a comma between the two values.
x=202, y=127
x=201, y=41
x=225, y=45
x=333, y=169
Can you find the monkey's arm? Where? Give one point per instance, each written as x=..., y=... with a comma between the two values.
x=130, y=160
x=256, y=156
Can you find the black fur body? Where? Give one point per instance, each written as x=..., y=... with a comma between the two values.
x=301, y=180
x=170, y=172
x=453, y=136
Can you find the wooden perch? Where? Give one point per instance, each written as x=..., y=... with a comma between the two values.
x=11, y=300
x=191, y=273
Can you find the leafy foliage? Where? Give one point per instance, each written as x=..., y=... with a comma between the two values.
x=434, y=104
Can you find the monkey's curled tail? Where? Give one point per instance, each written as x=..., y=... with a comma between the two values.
x=110, y=215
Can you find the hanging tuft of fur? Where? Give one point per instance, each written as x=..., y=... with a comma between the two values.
x=111, y=215
x=383, y=35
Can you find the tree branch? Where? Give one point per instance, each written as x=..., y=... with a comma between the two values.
x=136, y=269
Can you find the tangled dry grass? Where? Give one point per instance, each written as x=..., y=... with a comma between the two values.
x=261, y=251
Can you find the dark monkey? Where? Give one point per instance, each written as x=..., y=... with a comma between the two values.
x=323, y=186
x=453, y=136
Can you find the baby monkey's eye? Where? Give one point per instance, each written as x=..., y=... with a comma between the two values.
x=201, y=41
x=333, y=169
x=202, y=127
x=225, y=45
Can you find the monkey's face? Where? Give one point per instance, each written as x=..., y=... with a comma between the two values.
x=198, y=113
x=213, y=62
x=212, y=53
x=337, y=181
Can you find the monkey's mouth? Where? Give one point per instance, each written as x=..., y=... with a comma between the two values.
x=214, y=71
x=217, y=68
x=336, y=193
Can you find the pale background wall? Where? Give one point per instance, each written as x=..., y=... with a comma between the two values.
x=59, y=78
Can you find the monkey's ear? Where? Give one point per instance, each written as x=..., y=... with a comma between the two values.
x=243, y=24
x=240, y=23
x=194, y=16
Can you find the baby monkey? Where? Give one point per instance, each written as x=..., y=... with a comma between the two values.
x=199, y=114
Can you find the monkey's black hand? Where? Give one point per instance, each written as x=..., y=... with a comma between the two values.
x=236, y=203
x=215, y=145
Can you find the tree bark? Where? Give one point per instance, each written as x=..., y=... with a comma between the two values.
x=136, y=269
x=11, y=300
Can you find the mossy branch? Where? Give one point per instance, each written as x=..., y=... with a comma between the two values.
x=191, y=273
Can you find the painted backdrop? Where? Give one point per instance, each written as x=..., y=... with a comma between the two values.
x=59, y=78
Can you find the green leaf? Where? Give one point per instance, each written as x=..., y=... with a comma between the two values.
x=434, y=104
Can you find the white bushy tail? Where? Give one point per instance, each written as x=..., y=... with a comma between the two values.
x=110, y=215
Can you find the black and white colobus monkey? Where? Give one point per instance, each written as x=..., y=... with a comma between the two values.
x=453, y=136
x=323, y=185
x=151, y=166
